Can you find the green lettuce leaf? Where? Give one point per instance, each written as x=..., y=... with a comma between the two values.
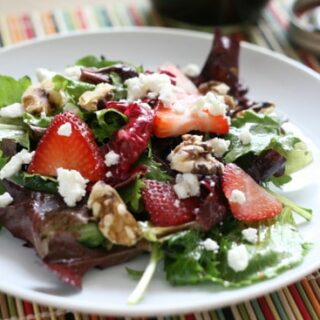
x=73, y=88
x=15, y=132
x=36, y=182
x=279, y=248
x=155, y=172
x=93, y=61
x=104, y=123
x=131, y=195
x=11, y=90
x=37, y=121
x=267, y=133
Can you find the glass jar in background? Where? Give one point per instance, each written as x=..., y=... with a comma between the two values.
x=210, y=12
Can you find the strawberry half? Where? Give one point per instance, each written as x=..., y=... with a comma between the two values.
x=164, y=207
x=169, y=123
x=258, y=203
x=74, y=148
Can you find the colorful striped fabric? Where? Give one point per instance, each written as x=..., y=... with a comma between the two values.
x=298, y=301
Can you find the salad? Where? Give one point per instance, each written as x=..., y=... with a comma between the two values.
x=105, y=161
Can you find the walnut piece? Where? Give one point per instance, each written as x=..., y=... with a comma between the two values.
x=115, y=222
x=193, y=155
x=42, y=98
x=89, y=99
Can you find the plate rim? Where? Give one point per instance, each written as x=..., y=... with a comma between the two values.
x=140, y=309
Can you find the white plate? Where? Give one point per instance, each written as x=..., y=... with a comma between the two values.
x=269, y=76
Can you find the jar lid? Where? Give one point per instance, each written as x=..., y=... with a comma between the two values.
x=305, y=24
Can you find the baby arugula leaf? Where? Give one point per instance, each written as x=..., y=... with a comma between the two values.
x=92, y=61
x=11, y=90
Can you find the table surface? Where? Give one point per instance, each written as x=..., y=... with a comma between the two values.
x=23, y=20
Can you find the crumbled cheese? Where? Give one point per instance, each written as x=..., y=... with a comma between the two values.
x=210, y=245
x=176, y=203
x=191, y=70
x=73, y=72
x=111, y=158
x=14, y=110
x=65, y=130
x=154, y=84
x=15, y=163
x=5, y=199
x=214, y=103
x=187, y=185
x=109, y=174
x=238, y=257
x=237, y=196
x=250, y=234
x=72, y=186
x=219, y=146
x=45, y=74
x=245, y=136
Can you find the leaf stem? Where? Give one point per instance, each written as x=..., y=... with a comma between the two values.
x=305, y=213
x=138, y=292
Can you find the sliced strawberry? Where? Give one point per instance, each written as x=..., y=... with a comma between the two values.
x=164, y=207
x=169, y=123
x=77, y=151
x=181, y=80
x=257, y=205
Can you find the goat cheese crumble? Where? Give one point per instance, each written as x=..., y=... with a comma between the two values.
x=237, y=196
x=187, y=185
x=65, y=130
x=155, y=83
x=111, y=158
x=245, y=136
x=5, y=199
x=72, y=186
x=210, y=245
x=14, y=110
x=15, y=163
x=250, y=234
x=191, y=70
x=238, y=257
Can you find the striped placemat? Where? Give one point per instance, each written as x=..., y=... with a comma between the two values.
x=298, y=301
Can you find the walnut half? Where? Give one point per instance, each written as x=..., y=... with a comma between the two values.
x=193, y=155
x=115, y=222
x=42, y=98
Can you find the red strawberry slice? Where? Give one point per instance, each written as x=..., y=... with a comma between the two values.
x=77, y=151
x=169, y=123
x=164, y=207
x=258, y=203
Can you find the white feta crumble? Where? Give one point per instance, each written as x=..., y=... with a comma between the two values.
x=109, y=174
x=191, y=70
x=237, y=196
x=45, y=74
x=238, y=257
x=154, y=84
x=214, y=103
x=14, y=110
x=219, y=146
x=73, y=72
x=176, y=203
x=15, y=163
x=111, y=158
x=245, y=136
x=5, y=199
x=210, y=245
x=72, y=186
x=250, y=234
x=187, y=185
x=65, y=130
